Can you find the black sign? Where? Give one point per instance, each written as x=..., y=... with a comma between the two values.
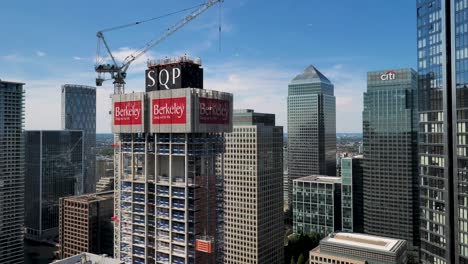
x=174, y=76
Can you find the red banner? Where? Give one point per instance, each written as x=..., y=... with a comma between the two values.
x=203, y=246
x=214, y=111
x=169, y=111
x=127, y=113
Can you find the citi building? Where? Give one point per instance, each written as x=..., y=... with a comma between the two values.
x=168, y=205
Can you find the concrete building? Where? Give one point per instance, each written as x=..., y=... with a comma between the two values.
x=105, y=184
x=85, y=224
x=390, y=175
x=253, y=173
x=11, y=172
x=352, y=195
x=316, y=205
x=168, y=204
x=354, y=248
x=54, y=169
x=88, y=258
x=79, y=113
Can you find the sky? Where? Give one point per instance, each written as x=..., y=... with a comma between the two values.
x=263, y=45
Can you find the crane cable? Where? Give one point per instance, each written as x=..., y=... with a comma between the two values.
x=151, y=19
x=100, y=59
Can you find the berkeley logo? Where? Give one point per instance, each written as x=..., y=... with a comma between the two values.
x=388, y=76
x=169, y=111
x=214, y=111
x=127, y=113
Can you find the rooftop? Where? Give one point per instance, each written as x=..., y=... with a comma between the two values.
x=310, y=74
x=92, y=197
x=320, y=179
x=9, y=82
x=88, y=258
x=364, y=241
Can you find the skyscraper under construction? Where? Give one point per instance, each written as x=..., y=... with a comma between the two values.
x=168, y=193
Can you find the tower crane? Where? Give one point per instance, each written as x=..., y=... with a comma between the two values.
x=117, y=72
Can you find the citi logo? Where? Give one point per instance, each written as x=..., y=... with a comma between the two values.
x=390, y=75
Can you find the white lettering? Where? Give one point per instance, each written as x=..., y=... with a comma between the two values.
x=175, y=74
x=151, y=78
x=390, y=75
x=130, y=111
x=166, y=80
x=167, y=109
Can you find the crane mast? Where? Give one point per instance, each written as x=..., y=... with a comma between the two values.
x=119, y=73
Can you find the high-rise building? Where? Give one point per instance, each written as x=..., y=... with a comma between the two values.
x=311, y=125
x=168, y=206
x=443, y=164
x=390, y=175
x=54, y=169
x=253, y=171
x=354, y=248
x=316, y=205
x=352, y=196
x=79, y=113
x=11, y=172
x=85, y=224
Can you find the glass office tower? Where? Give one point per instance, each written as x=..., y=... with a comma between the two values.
x=11, y=172
x=54, y=169
x=352, y=207
x=79, y=113
x=442, y=67
x=311, y=126
x=316, y=205
x=390, y=175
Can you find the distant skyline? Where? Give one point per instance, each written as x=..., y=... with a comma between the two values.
x=264, y=45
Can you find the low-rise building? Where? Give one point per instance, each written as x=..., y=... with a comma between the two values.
x=354, y=248
x=88, y=258
x=85, y=224
x=316, y=205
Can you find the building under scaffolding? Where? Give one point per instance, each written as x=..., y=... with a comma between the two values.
x=168, y=192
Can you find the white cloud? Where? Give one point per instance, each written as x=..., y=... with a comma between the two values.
x=263, y=88
x=40, y=54
x=78, y=58
x=17, y=58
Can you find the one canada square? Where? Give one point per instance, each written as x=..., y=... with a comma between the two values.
x=311, y=125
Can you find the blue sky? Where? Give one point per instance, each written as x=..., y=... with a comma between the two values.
x=264, y=44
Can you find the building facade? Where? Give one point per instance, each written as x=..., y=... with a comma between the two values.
x=54, y=169
x=11, y=172
x=390, y=175
x=253, y=187
x=352, y=195
x=79, y=113
x=354, y=248
x=316, y=205
x=443, y=79
x=85, y=224
x=169, y=196
x=311, y=125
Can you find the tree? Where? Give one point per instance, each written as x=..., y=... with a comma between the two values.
x=301, y=259
x=292, y=260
